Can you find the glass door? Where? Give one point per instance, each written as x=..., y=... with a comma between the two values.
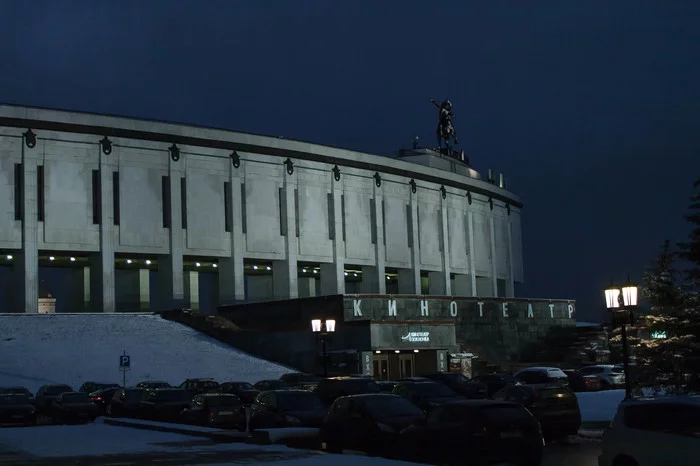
x=381, y=367
x=406, y=366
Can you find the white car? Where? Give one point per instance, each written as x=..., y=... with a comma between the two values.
x=541, y=375
x=654, y=432
x=610, y=376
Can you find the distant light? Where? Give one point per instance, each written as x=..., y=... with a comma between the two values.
x=355, y=274
x=388, y=278
x=268, y=267
x=315, y=271
x=255, y=267
x=148, y=262
x=214, y=265
x=72, y=259
x=303, y=270
x=9, y=257
x=415, y=351
x=397, y=351
x=128, y=261
x=52, y=258
x=346, y=274
x=197, y=264
x=378, y=352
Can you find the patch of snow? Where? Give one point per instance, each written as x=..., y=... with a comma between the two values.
x=599, y=406
x=276, y=435
x=75, y=348
x=335, y=460
x=102, y=439
x=143, y=422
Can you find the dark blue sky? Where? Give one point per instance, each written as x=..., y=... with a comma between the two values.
x=590, y=108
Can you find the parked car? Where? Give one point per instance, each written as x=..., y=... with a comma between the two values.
x=541, y=375
x=17, y=409
x=126, y=402
x=369, y=422
x=89, y=387
x=300, y=380
x=555, y=406
x=17, y=391
x=582, y=383
x=386, y=386
x=71, y=407
x=487, y=431
x=102, y=399
x=426, y=394
x=242, y=390
x=611, y=376
x=46, y=395
x=287, y=408
x=152, y=384
x=460, y=384
x=334, y=387
x=164, y=404
x=659, y=431
x=215, y=410
x=494, y=382
x=266, y=385
x=200, y=386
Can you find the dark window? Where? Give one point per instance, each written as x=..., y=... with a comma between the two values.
x=18, y=191
x=165, y=186
x=409, y=225
x=115, y=196
x=283, y=211
x=244, y=210
x=183, y=201
x=96, y=197
x=373, y=220
x=331, y=216
x=296, y=211
x=342, y=212
x=227, y=206
x=40, y=192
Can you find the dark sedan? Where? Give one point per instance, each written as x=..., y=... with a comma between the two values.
x=17, y=391
x=47, y=394
x=102, y=398
x=72, y=407
x=215, y=410
x=17, y=409
x=426, y=395
x=460, y=384
x=287, y=408
x=164, y=404
x=242, y=390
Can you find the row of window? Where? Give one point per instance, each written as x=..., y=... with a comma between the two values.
x=228, y=198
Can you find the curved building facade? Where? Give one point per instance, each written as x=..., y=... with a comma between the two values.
x=140, y=210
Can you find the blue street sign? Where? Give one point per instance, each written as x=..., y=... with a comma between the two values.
x=124, y=362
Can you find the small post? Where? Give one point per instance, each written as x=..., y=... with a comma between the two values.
x=625, y=358
x=124, y=373
x=325, y=356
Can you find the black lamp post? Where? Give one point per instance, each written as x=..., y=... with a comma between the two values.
x=322, y=329
x=621, y=301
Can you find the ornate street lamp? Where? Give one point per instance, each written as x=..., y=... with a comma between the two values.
x=322, y=329
x=622, y=301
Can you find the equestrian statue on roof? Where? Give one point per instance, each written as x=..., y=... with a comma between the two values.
x=445, y=130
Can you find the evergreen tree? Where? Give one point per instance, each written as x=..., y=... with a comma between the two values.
x=690, y=250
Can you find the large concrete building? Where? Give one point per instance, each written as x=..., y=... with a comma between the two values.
x=137, y=212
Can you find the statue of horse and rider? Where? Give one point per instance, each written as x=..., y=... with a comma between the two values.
x=445, y=130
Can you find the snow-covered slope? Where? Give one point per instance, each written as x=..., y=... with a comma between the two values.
x=72, y=349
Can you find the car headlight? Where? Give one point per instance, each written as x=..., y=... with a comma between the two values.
x=385, y=428
x=292, y=420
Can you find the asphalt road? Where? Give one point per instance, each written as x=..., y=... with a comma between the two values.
x=579, y=452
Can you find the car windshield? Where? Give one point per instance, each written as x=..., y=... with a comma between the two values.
x=551, y=393
x=390, y=406
x=242, y=386
x=155, y=385
x=616, y=370
x=15, y=391
x=75, y=398
x=223, y=401
x=167, y=396
x=360, y=386
x=433, y=389
x=302, y=401
x=58, y=389
x=15, y=400
x=208, y=384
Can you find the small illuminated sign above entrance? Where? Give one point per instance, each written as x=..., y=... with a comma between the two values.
x=658, y=335
x=415, y=337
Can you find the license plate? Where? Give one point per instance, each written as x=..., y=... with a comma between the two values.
x=511, y=434
x=225, y=413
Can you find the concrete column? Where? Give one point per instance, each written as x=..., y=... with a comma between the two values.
x=86, y=289
x=192, y=290
x=411, y=277
x=494, y=269
x=102, y=275
x=379, y=251
x=285, y=273
x=371, y=281
x=333, y=275
x=307, y=287
x=27, y=261
x=437, y=284
x=144, y=283
x=472, y=253
x=231, y=279
x=462, y=285
x=445, y=284
x=170, y=266
x=510, y=285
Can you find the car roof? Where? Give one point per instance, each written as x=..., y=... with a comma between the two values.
x=372, y=395
x=154, y=381
x=211, y=395
x=540, y=369
x=480, y=403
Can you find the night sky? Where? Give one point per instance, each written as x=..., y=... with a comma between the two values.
x=591, y=109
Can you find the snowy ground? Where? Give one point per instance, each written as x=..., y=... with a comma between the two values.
x=72, y=349
x=599, y=406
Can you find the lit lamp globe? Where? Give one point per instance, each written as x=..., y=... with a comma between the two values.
x=612, y=297
x=629, y=295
